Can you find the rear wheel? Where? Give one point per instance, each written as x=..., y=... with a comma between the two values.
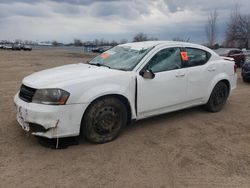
x=104, y=120
x=218, y=97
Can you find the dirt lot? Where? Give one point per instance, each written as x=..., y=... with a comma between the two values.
x=189, y=148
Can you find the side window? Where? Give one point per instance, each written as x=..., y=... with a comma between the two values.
x=238, y=52
x=165, y=60
x=197, y=57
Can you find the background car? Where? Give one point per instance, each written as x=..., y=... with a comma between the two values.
x=16, y=47
x=235, y=53
x=245, y=71
x=26, y=47
x=247, y=55
x=7, y=47
x=101, y=49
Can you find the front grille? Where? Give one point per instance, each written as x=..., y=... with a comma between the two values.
x=26, y=93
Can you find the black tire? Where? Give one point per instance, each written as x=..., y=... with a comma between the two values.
x=245, y=80
x=103, y=120
x=218, y=97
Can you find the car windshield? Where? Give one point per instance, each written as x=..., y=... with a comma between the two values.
x=120, y=58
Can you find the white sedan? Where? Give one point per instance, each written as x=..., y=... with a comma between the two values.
x=128, y=82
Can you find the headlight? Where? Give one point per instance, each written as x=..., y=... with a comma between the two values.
x=50, y=96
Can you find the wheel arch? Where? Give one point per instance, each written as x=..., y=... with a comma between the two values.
x=221, y=78
x=225, y=81
x=122, y=98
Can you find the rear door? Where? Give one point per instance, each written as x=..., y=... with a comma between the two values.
x=199, y=73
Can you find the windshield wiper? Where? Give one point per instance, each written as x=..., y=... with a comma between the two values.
x=100, y=65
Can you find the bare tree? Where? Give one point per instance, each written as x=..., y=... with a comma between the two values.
x=77, y=42
x=210, y=28
x=140, y=37
x=238, y=30
x=112, y=43
x=243, y=31
x=231, y=31
x=55, y=43
x=18, y=41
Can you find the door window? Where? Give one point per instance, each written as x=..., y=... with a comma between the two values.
x=197, y=57
x=165, y=60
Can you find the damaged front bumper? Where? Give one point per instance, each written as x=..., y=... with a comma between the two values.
x=49, y=121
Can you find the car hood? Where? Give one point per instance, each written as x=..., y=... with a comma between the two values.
x=68, y=74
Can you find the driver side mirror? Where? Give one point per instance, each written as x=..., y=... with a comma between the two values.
x=147, y=74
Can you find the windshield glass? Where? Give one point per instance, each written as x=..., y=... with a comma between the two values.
x=120, y=57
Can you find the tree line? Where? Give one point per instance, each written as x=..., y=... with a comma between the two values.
x=237, y=33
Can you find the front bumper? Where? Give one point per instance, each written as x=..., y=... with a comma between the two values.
x=51, y=121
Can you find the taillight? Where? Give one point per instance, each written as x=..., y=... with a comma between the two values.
x=235, y=68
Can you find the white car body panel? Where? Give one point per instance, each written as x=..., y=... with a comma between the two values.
x=168, y=91
x=60, y=121
x=151, y=93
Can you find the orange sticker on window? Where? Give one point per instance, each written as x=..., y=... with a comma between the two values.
x=104, y=55
x=184, y=56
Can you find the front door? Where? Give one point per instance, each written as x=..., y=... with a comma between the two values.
x=168, y=87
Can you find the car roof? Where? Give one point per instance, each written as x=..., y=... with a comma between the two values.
x=149, y=44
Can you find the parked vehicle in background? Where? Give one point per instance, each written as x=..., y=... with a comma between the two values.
x=128, y=82
x=26, y=47
x=247, y=54
x=101, y=49
x=234, y=53
x=245, y=71
x=16, y=47
x=7, y=47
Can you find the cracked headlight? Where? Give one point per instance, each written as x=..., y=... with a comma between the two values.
x=50, y=96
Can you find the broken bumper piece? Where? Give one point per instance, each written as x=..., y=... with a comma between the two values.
x=49, y=121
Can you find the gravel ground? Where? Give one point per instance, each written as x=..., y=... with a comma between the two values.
x=188, y=148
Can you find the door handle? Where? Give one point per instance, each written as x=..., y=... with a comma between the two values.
x=180, y=74
x=211, y=69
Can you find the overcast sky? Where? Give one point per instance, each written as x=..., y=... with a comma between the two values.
x=64, y=20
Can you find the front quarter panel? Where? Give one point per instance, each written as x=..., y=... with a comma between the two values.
x=87, y=92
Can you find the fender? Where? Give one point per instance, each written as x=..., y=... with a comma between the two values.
x=126, y=90
x=217, y=78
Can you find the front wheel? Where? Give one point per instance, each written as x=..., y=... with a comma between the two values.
x=245, y=80
x=218, y=97
x=104, y=120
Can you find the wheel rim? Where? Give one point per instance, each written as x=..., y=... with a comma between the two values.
x=220, y=96
x=106, y=120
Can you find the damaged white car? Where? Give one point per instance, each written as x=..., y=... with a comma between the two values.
x=128, y=82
